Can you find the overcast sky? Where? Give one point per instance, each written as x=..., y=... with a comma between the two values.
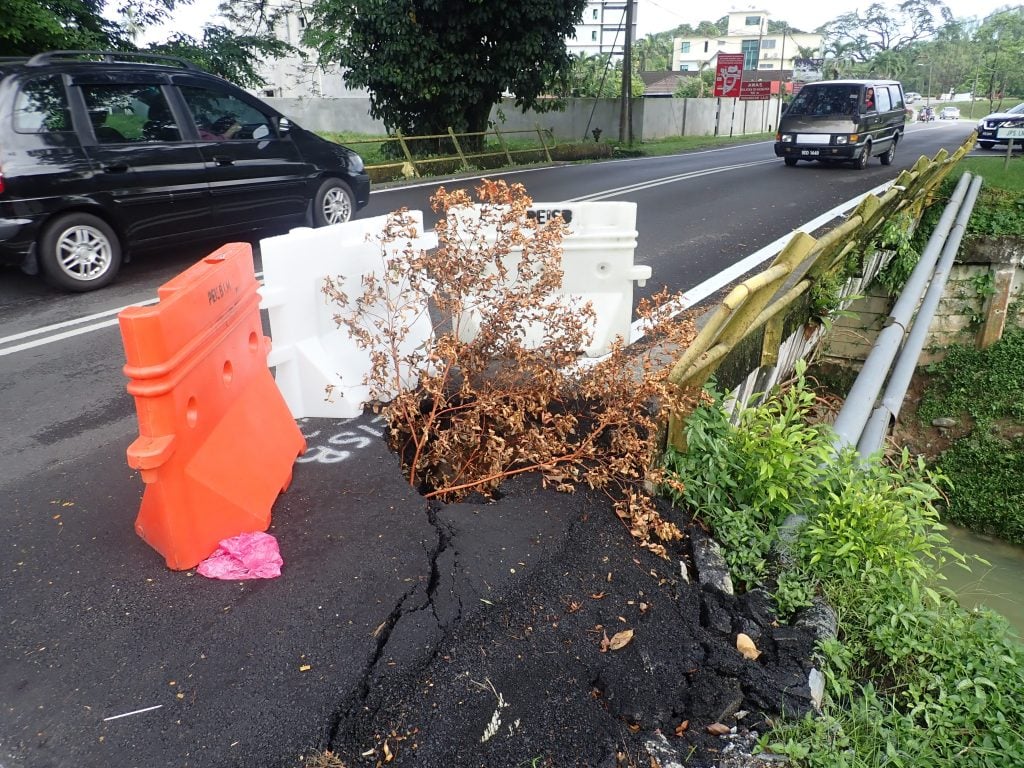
x=661, y=15
x=652, y=15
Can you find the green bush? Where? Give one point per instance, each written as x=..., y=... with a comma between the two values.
x=745, y=481
x=987, y=473
x=912, y=679
x=986, y=384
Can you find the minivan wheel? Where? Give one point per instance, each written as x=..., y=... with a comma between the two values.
x=790, y=161
x=987, y=144
x=890, y=153
x=863, y=157
x=79, y=252
x=333, y=203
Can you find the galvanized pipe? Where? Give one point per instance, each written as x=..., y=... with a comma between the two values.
x=903, y=371
x=864, y=393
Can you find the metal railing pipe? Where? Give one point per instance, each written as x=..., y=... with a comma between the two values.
x=864, y=393
x=903, y=370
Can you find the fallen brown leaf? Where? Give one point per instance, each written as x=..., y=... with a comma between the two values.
x=718, y=729
x=746, y=647
x=621, y=639
x=681, y=728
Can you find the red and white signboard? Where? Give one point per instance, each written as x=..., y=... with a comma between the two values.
x=729, y=75
x=755, y=90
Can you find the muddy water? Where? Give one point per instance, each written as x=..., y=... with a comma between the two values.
x=999, y=585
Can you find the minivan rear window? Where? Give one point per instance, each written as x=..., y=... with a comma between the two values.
x=820, y=100
x=41, y=106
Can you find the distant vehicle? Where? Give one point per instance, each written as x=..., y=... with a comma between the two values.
x=989, y=125
x=925, y=115
x=913, y=96
x=837, y=121
x=949, y=113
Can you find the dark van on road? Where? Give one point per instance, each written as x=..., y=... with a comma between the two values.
x=835, y=121
x=103, y=154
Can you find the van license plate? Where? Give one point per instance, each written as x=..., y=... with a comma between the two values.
x=810, y=152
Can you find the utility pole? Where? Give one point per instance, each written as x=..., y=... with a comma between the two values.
x=625, y=114
x=782, y=78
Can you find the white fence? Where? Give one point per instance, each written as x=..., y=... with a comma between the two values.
x=652, y=118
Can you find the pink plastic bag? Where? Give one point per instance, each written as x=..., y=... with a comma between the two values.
x=246, y=556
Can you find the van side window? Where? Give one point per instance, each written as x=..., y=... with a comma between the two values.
x=222, y=116
x=897, y=97
x=42, y=107
x=882, y=99
x=130, y=113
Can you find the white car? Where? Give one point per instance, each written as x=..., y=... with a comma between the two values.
x=949, y=113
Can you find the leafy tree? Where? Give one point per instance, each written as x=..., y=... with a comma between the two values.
x=999, y=68
x=33, y=26
x=859, y=37
x=700, y=85
x=712, y=28
x=593, y=77
x=226, y=53
x=653, y=52
x=434, y=64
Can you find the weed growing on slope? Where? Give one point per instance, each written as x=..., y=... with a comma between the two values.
x=985, y=384
x=985, y=388
x=912, y=679
x=498, y=389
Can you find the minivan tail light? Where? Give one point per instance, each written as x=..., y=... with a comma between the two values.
x=1, y=181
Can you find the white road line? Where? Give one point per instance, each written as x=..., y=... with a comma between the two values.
x=78, y=331
x=69, y=323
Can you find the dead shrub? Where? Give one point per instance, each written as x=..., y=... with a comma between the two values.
x=466, y=413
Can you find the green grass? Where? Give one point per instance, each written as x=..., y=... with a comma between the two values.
x=385, y=158
x=971, y=110
x=675, y=144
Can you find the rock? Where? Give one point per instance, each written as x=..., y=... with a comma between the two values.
x=659, y=748
x=712, y=570
x=684, y=572
x=820, y=619
x=816, y=682
x=945, y=422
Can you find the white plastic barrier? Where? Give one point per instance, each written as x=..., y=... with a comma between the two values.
x=320, y=369
x=597, y=267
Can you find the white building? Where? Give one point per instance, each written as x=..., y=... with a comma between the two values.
x=295, y=77
x=747, y=34
x=602, y=30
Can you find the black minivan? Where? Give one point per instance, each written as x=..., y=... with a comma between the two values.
x=102, y=153
x=843, y=121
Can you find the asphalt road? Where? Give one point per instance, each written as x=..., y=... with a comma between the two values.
x=95, y=626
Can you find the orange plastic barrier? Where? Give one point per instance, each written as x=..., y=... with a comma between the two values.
x=216, y=440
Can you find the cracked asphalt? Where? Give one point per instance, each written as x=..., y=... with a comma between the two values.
x=441, y=635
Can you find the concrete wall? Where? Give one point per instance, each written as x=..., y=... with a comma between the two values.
x=652, y=118
x=351, y=115
x=984, y=294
